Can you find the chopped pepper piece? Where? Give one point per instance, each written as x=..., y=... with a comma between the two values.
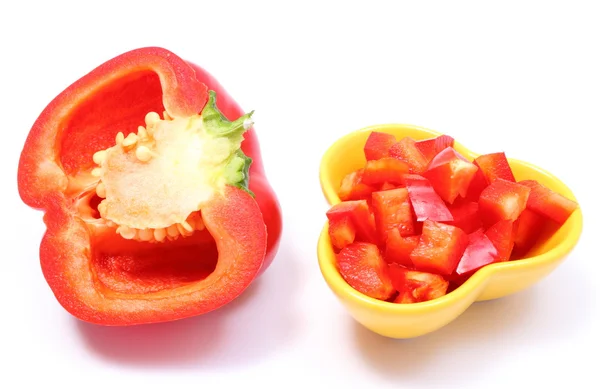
x=378, y=145
x=433, y=146
x=398, y=248
x=359, y=213
x=465, y=215
x=502, y=235
x=364, y=269
x=426, y=203
x=405, y=150
x=440, y=248
x=354, y=188
x=528, y=228
x=392, y=210
x=450, y=174
x=156, y=203
x=416, y=286
x=548, y=203
x=341, y=232
x=479, y=252
x=494, y=166
x=502, y=200
x=387, y=169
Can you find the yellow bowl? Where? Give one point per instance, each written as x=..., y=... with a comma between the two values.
x=490, y=282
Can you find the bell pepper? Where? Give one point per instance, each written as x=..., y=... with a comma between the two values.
x=363, y=268
x=465, y=215
x=502, y=200
x=406, y=150
x=392, y=210
x=502, y=235
x=358, y=213
x=398, y=248
x=479, y=252
x=450, y=174
x=433, y=146
x=378, y=145
x=494, y=166
x=354, y=188
x=154, y=195
x=548, y=203
x=529, y=227
x=426, y=203
x=385, y=170
x=416, y=286
x=440, y=248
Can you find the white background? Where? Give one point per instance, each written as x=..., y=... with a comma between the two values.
x=519, y=77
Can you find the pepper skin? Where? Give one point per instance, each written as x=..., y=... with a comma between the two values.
x=154, y=195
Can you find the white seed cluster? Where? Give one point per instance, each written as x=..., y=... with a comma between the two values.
x=140, y=144
x=174, y=231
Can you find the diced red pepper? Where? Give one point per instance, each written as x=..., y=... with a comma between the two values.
x=398, y=248
x=502, y=234
x=478, y=184
x=416, y=286
x=495, y=166
x=378, y=145
x=388, y=186
x=353, y=187
x=432, y=147
x=450, y=174
x=502, y=200
x=548, y=203
x=528, y=228
x=364, y=269
x=359, y=213
x=465, y=215
x=480, y=252
x=440, y=248
x=386, y=169
x=136, y=235
x=427, y=204
x=341, y=232
x=392, y=210
x=405, y=150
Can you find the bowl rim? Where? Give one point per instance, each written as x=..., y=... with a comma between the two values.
x=477, y=280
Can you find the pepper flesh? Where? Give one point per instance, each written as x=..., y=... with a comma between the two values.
x=108, y=278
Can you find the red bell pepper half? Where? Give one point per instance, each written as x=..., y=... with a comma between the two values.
x=156, y=202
